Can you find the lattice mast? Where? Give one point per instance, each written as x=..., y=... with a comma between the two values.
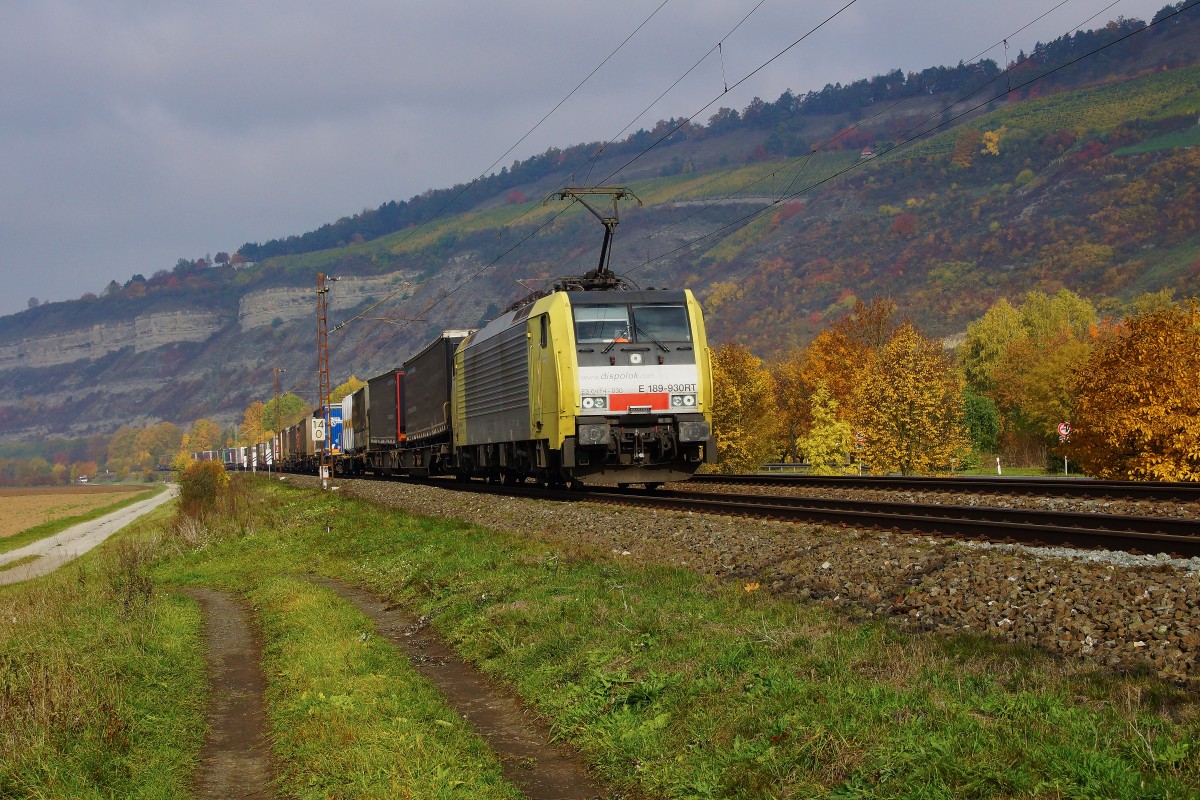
x=323, y=387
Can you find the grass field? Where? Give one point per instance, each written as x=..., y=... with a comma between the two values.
x=672, y=684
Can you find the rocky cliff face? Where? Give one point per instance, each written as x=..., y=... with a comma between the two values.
x=263, y=308
x=142, y=333
x=168, y=364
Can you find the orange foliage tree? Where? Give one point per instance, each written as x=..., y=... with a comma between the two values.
x=1137, y=415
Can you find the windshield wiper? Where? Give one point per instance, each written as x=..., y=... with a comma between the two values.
x=643, y=332
x=621, y=337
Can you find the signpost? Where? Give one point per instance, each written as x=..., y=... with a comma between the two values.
x=1064, y=433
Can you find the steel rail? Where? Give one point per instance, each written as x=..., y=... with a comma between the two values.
x=1173, y=537
x=1047, y=487
x=1170, y=536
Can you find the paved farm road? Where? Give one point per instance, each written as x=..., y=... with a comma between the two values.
x=56, y=550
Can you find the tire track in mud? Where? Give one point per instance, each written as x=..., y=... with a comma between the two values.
x=235, y=761
x=538, y=769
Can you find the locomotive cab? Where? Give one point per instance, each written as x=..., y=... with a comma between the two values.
x=643, y=389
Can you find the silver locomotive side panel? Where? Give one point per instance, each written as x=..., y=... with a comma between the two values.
x=495, y=378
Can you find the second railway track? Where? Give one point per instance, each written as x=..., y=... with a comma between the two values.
x=1141, y=534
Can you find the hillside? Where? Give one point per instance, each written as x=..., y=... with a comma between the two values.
x=779, y=216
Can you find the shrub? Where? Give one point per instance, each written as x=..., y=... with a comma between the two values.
x=201, y=485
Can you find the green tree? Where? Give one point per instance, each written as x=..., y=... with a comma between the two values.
x=982, y=421
x=986, y=340
x=290, y=410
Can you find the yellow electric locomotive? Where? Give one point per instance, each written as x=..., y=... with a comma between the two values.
x=593, y=383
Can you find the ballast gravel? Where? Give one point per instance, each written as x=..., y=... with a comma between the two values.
x=1113, y=609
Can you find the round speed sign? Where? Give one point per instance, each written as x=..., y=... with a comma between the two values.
x=1064, y=429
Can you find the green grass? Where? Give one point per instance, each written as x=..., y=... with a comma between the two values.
x=39, y=532
x=101, y=682
x=350, y=717
x=672, y=684
x=19, y=562
x=679, y=686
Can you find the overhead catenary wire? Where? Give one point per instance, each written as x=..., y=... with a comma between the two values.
x=737, y=224
x=466, y=187
x=806, y=158
x=788, y=195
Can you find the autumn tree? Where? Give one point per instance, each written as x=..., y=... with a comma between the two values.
x=838, y=356
x=910, y=408
x=745, y=423
x=122, y=455
x=1137, y=415
x=156, y=443
x=290, y=410
x=792, y=398
x=253, y=430
x=352, y=385
x=204, y=435
x=829, y=438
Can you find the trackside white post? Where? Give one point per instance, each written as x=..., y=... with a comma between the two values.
x=998, y=472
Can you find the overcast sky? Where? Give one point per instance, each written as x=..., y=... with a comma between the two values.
x=136, y=132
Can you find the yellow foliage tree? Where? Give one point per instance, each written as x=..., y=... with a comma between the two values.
x=745, y=422
x=911, y=409
x=352, y=385
x=205, y=435
x=991, y=141
x=1138, y=411
x=792, y=397
x=828, y=439
x=253, y=431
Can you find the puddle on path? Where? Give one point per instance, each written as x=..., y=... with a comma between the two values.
x=540, y=770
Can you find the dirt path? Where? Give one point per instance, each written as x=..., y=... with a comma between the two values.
x=235, y=759
x=530, y=762
x=52, y=552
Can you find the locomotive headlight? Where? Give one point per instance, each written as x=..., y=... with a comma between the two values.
x=594, y=402
x=689, y=399
x=681, y=400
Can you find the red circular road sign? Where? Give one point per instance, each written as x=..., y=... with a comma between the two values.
x=1064, y=429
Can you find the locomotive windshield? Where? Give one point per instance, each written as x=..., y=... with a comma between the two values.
x=665, y=323
x=599, y=324
x=602, y=324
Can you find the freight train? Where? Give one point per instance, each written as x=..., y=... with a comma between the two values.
x=593, y=382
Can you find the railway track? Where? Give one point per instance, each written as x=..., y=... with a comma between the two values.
x=1043, y=487
x=1137, y=534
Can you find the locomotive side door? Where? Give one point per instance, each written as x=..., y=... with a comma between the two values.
x=543, y=384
